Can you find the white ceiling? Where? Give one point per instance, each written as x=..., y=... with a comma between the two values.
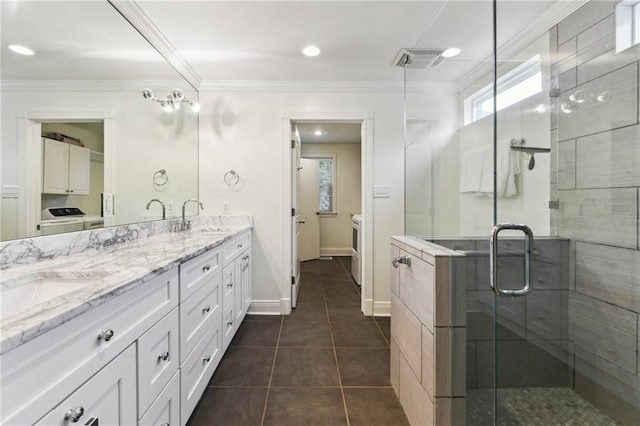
x=331, y=132
x=255, y=40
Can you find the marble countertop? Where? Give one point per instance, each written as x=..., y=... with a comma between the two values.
x=122, y=267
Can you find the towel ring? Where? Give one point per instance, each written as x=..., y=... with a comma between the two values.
x=231, y=178
x=160, y=178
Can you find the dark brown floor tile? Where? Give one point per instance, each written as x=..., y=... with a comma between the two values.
x=244, y=367
x=305, y=367
x=338, y=283
x=305, y=406
x=311, y=294
x=346, y=313
x=257, y=333
x=305, y=333
x=364, y=366
x=269, y=318
x=357, y=334
x=308, y=312
x=374, y=406
x=335, y=296
x=385, y=326
x=230, y=406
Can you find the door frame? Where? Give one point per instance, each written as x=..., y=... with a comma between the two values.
x=365, y=119
x=30, y=158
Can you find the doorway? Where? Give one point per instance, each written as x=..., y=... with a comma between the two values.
x=330, y=207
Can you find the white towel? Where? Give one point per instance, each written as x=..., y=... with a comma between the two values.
x=477, y=171
x=473, y=164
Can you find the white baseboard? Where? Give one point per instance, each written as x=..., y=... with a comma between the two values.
x=334, y=251
x=265, y=307
x=382, y=309
x=367, y=307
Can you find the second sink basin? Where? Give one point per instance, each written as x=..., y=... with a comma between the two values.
x=34, y=289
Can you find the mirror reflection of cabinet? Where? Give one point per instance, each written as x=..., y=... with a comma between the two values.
x=65, y=168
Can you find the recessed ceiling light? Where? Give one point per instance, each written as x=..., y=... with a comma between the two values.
x=451, y=52
x=311, y=50
x=22, y=50
x=318, y=132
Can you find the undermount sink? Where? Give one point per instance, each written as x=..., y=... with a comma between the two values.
x=34, y=289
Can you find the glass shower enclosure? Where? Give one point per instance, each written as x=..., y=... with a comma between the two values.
x=524, y=155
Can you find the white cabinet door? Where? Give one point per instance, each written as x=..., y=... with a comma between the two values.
x=228, y=284
x=109, y=396
x=166, y=409
x=158, y=359
x=198, y=312
x=246, y=281
x=228, y=325
x=238, y=293
x=55, y=176
x=79, y=166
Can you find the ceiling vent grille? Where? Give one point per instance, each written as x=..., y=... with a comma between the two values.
x=418, y=58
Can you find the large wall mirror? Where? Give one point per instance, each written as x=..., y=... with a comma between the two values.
x=77, y=133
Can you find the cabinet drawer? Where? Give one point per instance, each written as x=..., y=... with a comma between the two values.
x=165, y=410
x=236, y=245
x=158, y=359
x=37, y=375
x=109, y=396
x=198, y=368
x=198, y=312
x=194, y=272
x=228, y=325
x=229, y=280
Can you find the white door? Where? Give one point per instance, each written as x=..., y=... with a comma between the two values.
x=79, y=170
x=309, y=203
x=295, y=215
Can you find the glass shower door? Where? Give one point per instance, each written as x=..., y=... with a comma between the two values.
x=566, y=301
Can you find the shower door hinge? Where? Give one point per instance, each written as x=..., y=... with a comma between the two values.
x=293, y=143
x=293, y=212
x=293, y=280
x=554, y=204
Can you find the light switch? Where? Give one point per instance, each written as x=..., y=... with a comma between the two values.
x=10, y=191
x=380, y=191
x=107, y=204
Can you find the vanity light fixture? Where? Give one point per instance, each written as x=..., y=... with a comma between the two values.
x=172, y=101
x=311, y=50
x=21, y=50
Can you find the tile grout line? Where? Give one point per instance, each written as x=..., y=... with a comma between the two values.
x=335, y=353
x=273, y=367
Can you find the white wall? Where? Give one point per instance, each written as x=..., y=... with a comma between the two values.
x=335, y=230
x=145, y=138
x=241, y=130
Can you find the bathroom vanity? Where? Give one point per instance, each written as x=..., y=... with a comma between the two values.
x=123, y=334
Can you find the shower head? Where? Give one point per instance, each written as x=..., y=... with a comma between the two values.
x=418, y=58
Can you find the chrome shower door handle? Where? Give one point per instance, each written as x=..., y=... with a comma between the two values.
x=493, y=259
x=401, y=259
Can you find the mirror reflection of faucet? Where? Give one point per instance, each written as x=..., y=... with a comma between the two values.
x=164, y=212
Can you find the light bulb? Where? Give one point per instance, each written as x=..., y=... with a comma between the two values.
x=147, y=94
x=177, y=94
x=22, y=50
x=195, y=107
x=176, y=104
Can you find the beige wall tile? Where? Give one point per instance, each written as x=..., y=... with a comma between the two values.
x=406, y=330
x=417, y=289
x=395, y=272
x=395, y=366
x=583, y=18
x=429, y=369
x=417, y=405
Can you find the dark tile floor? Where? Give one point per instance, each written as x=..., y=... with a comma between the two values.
x=325, y=364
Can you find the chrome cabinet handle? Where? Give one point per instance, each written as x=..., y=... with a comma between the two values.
x=406, y=260
x=206, y=358
x=106, y=335
x=493, y=259
x=163, y=356
x=229, y=323
x=206, y=309
x=205, y=268
x=165, y=424
x=74, y=414
x=229, y=285
x=239, y=246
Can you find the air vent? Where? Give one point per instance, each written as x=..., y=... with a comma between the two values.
x=418, y=58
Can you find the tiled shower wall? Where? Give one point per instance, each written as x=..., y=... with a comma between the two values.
x=597, y=183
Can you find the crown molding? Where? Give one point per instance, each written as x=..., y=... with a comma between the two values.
x=88, y=85
x=324, y=86
x=133, y=13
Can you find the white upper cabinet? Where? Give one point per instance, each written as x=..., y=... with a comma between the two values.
x=65, y=168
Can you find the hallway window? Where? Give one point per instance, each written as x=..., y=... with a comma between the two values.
x=326, y=180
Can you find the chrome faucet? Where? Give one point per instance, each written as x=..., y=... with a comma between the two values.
x=164, y=215
x=186, y=225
